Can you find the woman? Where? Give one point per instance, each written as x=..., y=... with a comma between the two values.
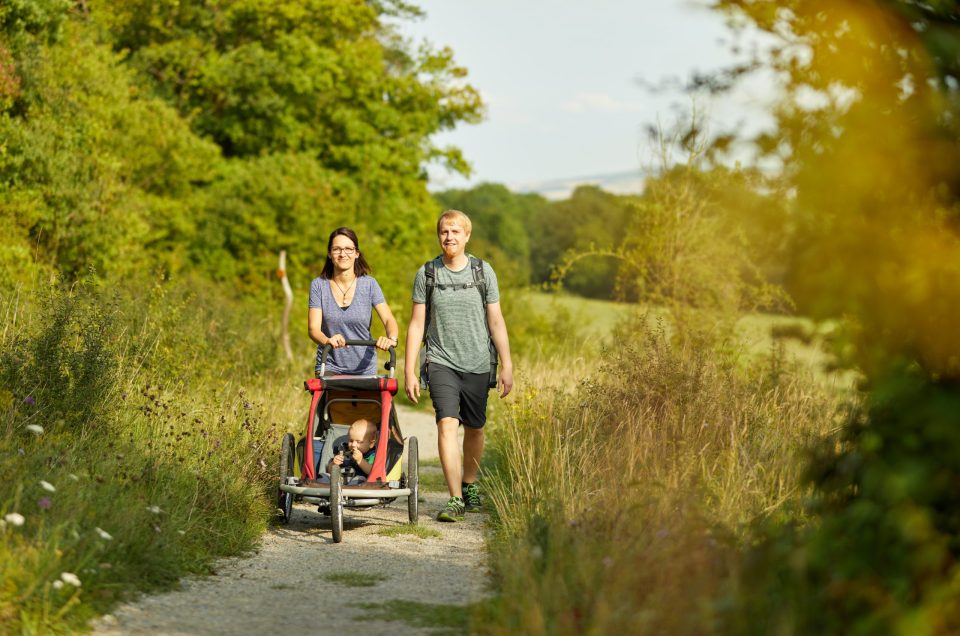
x=341, y=299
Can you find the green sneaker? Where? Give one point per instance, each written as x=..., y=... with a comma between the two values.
x=453, y=511
x=471, y=498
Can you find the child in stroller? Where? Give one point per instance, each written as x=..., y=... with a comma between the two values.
x=360, y=449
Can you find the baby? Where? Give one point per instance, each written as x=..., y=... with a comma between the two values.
x=362, y=442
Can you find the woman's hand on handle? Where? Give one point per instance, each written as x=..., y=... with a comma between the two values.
x=337, y=341
x=384, y=343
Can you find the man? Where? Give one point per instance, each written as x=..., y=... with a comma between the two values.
x=458, y=356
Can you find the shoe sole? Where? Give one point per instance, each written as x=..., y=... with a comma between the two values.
x=477, y=509
x=448, y=518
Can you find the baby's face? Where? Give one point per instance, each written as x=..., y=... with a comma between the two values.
x=360, y=443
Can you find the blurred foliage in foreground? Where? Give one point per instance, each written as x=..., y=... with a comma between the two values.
x=867, y=134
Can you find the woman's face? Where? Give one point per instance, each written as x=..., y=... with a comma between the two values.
x=343, y=252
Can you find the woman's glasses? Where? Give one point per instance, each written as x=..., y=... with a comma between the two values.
x=346, y=251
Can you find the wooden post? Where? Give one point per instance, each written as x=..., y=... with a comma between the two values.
x=284, y=332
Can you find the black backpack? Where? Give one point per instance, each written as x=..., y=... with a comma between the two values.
x=476, y=267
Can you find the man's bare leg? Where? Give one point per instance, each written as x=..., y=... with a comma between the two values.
x=448, y=445
x=472, y=452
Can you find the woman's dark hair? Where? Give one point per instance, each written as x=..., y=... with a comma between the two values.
x=360, y=266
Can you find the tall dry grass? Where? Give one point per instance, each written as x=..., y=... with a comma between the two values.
x=621, y=497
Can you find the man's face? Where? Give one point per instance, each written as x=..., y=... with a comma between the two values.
x=453, y=238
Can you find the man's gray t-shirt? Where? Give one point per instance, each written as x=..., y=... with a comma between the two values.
x=457, y=333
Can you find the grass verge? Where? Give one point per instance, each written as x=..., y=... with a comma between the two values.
x=139, y=439
x=438, y=618
x=357, y=579
x=407, y=529
x=619, y=506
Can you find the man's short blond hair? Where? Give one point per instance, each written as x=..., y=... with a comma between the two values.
x=458, y=217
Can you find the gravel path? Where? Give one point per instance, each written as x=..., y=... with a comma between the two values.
x=286, y=584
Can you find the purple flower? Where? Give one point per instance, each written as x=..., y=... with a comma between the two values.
x=29, y=401
x=44, y=503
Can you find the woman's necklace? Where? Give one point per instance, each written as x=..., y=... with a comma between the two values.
x=344, y=292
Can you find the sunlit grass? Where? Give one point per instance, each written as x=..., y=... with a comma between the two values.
x=618, y=503
x=131, y=463
x=410, y=530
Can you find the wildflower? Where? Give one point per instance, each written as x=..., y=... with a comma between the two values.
x=154, y=509
x=36, y=429
x=14, y=518
x=57, y=585
x=73, y=477
x=536, y=552
x=46, y=485
x=70, y=579
x=21, y=452
x=181, y=532
x=44, y=503
x=29, y=401
x=104, y=534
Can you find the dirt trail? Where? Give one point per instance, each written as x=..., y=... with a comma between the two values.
x=285, y=585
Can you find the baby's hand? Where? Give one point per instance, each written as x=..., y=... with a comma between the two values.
x=356, y=454
x=338, y=459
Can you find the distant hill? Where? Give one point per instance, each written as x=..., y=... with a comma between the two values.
x=630, y=182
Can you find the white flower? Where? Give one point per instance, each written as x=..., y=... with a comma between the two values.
x=104, y=534
x=14, y=518
x=36, y=429
x=154, y=509
x=57, y=585
x=46, y=485
x=73, y=477
x=70, y=579
x=181, y=532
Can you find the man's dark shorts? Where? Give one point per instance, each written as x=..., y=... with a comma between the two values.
x=460, y=395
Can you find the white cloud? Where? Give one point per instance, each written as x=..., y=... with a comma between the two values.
x=598, y=103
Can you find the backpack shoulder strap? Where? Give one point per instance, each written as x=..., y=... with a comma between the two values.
x=430, y=274
x=476, y=266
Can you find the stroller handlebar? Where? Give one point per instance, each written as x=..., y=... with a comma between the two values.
x=389, y=366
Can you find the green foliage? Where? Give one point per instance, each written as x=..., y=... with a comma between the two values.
x=502, y=226
x=590, y=221
x=876, y=240
x=686, y=249
x=93, y=172
x=134, y=442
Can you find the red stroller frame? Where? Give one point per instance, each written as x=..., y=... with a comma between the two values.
x=353, y=397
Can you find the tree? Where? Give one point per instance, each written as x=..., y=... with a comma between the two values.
x=501, y=219
x=866, y=133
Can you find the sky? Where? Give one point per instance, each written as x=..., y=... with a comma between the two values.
x=561, y=81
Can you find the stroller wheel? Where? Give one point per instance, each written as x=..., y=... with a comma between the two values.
x=285, y=499
x=336, y=503
x=413, y=480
